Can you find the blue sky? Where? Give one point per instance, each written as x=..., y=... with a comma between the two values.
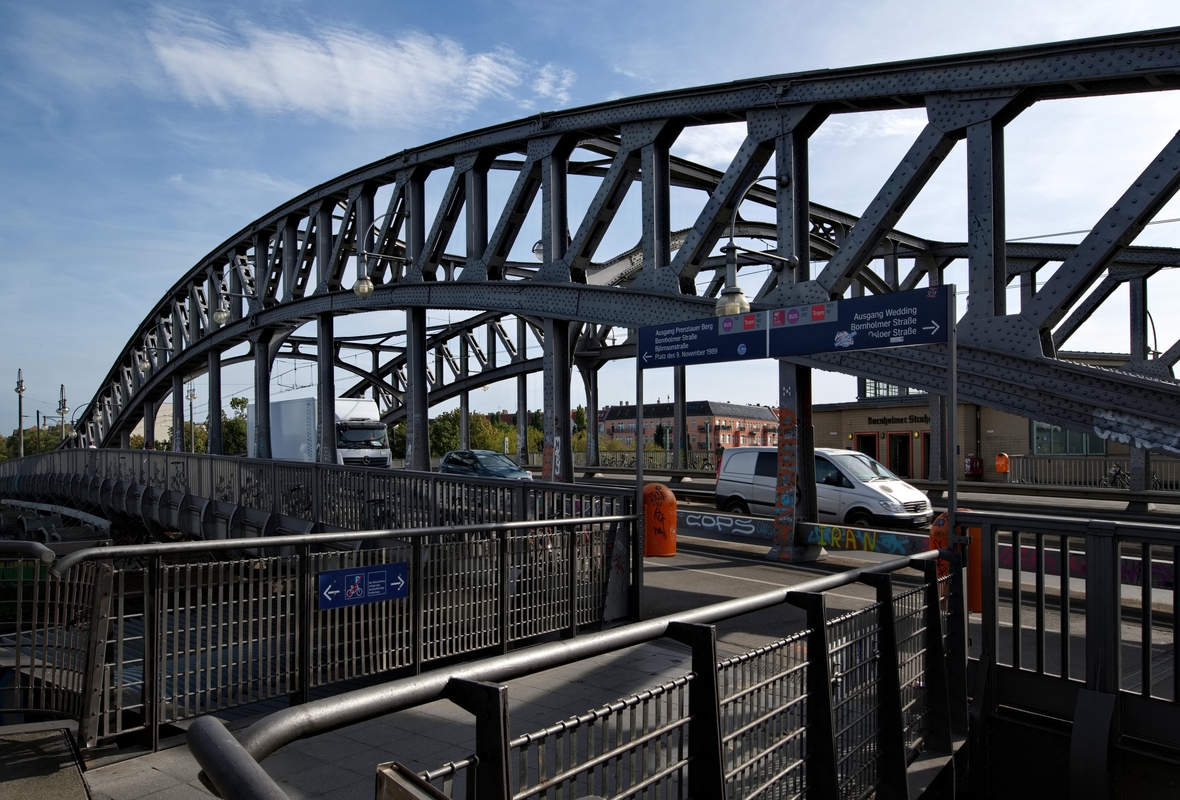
x=135, y=137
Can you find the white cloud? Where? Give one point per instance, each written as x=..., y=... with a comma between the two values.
x=342, y=74
x=554, y=82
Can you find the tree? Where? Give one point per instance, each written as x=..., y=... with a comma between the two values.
x=483, y=434
x=579, y=419
x=444, y=433
x=397, y=440
x=233, y=429
x=537, y=420
x=661, y=437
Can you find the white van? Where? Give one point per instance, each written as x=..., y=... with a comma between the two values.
x=851, y=488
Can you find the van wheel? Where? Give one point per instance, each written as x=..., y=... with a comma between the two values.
x=861, y=519
x=736, y=506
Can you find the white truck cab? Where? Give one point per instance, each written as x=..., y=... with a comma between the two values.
x=851, y=488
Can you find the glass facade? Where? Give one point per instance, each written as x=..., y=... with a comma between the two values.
x=1055, y=440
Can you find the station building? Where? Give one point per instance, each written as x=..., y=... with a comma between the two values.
x=893, y=425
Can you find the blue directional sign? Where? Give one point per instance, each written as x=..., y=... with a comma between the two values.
x=355, y=586
x=703, y=341
x=897, y=319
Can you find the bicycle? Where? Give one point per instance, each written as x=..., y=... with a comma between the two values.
x=1116, y=478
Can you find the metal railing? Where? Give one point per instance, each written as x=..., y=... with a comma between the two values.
x=1090, y=471
x=131, y=638
x=1081, y=609
x=222, y=497
x=839, y=709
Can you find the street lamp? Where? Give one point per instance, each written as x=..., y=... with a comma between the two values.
x=62, y=410
x=364, y=288
x=20, y=411
x=192, y=395
x=732, y=299
x=145, y=363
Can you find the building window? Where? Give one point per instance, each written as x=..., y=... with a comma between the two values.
x=1055, y=440
x=881, y=389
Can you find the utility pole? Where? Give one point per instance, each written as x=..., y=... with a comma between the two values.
x=38, y=430
x=20, y=412
x=192, y=429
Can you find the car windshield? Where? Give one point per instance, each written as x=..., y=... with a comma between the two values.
x=863, y=468
x=356, y=438
x=495, y=461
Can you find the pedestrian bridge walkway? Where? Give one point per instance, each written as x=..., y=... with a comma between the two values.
x=1072, y=626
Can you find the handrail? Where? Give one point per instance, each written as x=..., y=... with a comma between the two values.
x=63, y=564
x=234, y=777
x=35, y=549
x=1055, y=524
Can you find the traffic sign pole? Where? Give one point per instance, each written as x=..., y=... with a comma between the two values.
x=952, y=402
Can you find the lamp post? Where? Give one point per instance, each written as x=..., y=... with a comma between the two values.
x=20, y=412
x=62, y=410
x=192, y=428
x=732, y=299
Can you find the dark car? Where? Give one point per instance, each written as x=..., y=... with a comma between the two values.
x=484, y=463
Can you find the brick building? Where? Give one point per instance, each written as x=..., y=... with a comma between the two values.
x=710, y=424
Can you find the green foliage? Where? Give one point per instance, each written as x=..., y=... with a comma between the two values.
x=444, y=433
x=397, y=440
x=49, y=440
x=233, y=429
x=537, y=420
x=579, y=419
x=660, y=440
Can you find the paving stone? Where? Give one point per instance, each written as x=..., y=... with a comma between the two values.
x=321, y=779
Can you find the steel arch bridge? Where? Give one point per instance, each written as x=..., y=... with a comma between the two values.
x=295, y=264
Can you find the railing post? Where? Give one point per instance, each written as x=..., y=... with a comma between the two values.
x=152, y=624
x=938, y=711
x=706, y=762
x=489, y=703
x=416, y=590
x=93, y=686
x=1103, y=603
x=956, y=646
x=505, y=541
x=823, y=778
x=891, y=720
x=635, y=545
x=304, y=605
x=571, y=576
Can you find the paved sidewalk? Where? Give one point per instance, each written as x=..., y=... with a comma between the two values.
x=342, y=764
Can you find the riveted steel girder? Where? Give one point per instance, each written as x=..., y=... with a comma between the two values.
x=972, y=96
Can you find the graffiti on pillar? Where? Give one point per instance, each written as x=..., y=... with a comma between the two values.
x=784, y=492
x=547, y=464
x=557, y=475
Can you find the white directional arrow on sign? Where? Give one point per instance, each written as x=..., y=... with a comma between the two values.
x=400, y=581
x=932, y=327
x=646, y=358
x=329, y=594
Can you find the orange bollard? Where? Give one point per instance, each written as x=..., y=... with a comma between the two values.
x=940, y=540
x=659, y=521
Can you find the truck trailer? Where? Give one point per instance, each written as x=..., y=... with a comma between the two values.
x=362, y=439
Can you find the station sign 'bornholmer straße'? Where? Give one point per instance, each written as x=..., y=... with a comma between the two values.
x=897, y=319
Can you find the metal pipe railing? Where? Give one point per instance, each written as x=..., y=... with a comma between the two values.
x=64, y=563
x=233, y=778
x=23, y=548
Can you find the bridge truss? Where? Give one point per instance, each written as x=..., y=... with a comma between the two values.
x=296, y=264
